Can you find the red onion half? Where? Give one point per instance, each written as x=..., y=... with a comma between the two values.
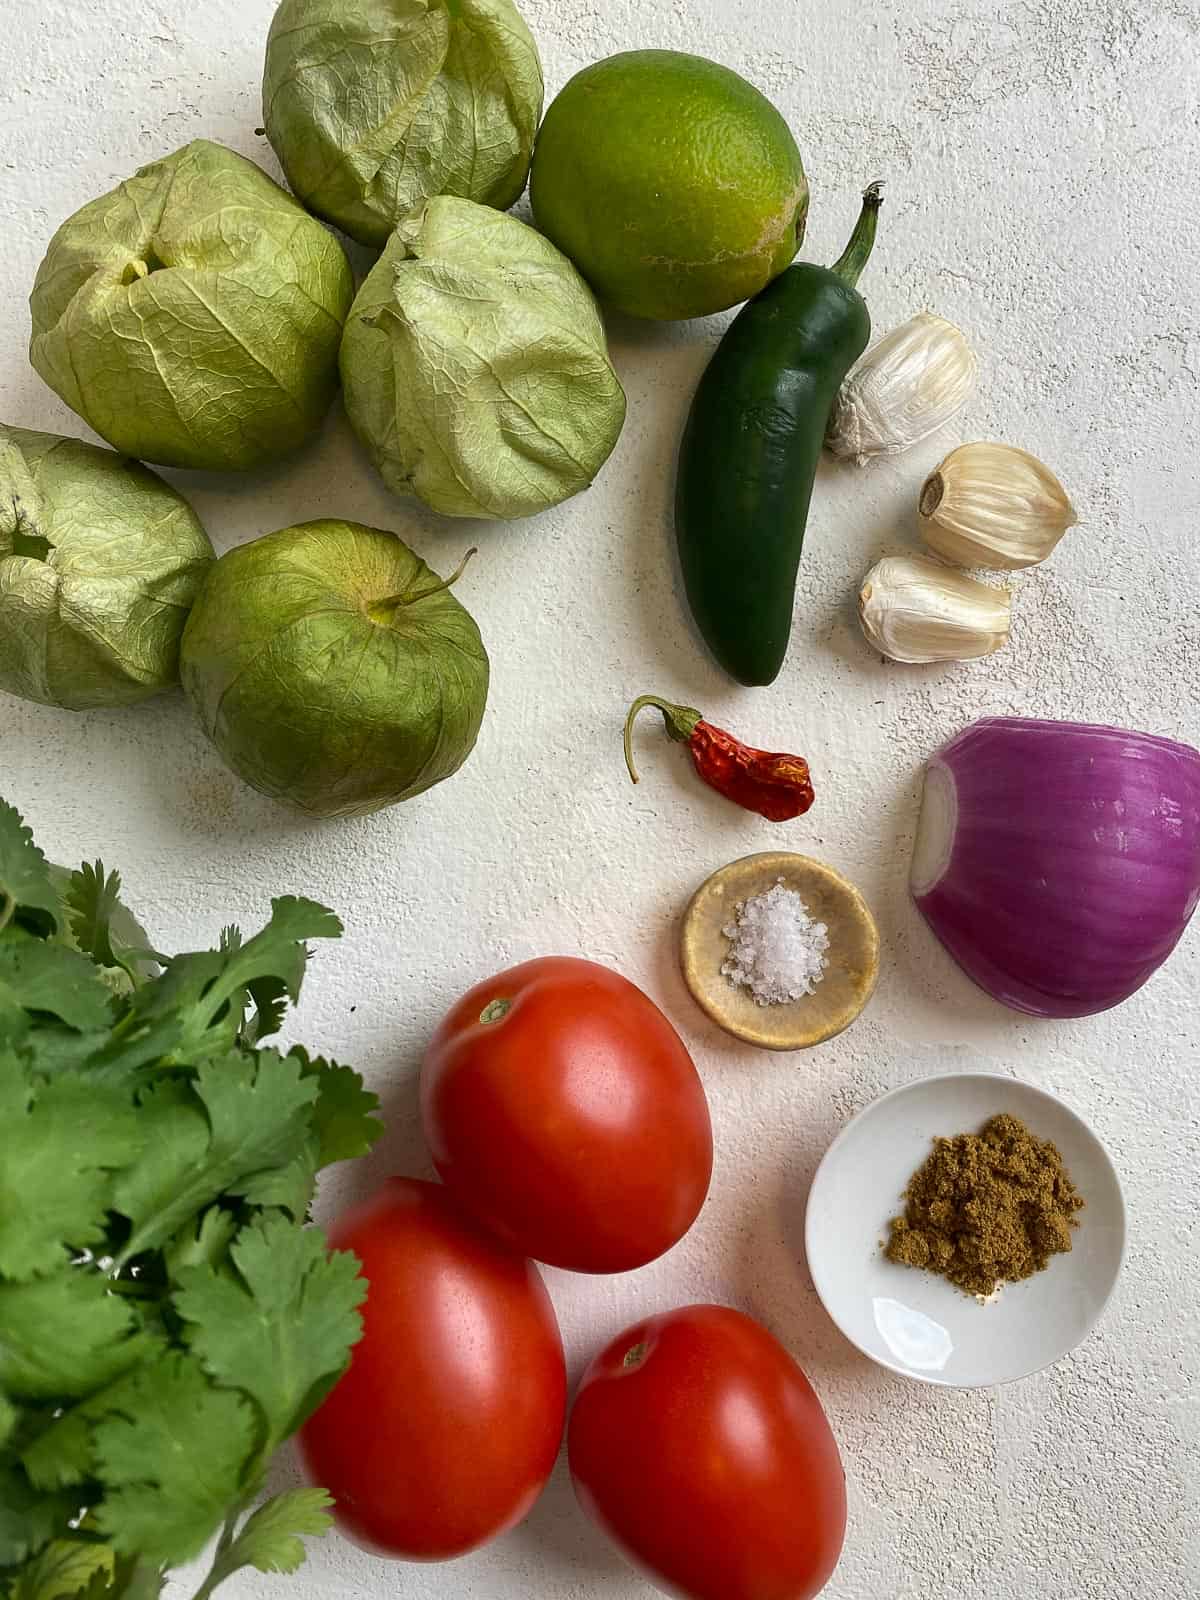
x=1059, y=862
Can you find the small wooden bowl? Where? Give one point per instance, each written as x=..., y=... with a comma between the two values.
x=853, y=953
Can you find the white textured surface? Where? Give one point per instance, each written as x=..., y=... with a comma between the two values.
x=1041, y=159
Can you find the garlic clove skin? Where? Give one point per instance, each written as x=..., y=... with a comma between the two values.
x=992, y=505
x=916, y=610
x=905, y=388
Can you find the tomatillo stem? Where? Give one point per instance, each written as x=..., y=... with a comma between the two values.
x=395, y=601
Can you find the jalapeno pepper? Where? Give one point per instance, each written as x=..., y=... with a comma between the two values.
x=775, y=785
x=750, y=451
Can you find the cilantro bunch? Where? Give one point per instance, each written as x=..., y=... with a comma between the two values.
x=167, y=1319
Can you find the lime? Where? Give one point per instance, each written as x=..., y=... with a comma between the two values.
x=672, y=183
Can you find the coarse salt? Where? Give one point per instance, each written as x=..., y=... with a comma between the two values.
x=776, y=950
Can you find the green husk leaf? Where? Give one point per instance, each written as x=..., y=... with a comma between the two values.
x=352, y=90
x=223, y=362
x=533, y=407
x=402, y=668
x=100, y=561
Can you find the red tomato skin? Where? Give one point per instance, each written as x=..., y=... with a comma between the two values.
x=575, y=1126
x=443, y=1430
x=708, y=1459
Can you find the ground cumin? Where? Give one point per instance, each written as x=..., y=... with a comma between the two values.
x=986, y=1208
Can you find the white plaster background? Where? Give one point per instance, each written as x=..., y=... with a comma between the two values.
x=1041, y=160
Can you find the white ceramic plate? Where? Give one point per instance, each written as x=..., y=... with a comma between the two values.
x=919, y=1324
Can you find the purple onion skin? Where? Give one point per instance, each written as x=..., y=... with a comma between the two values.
x=1075, y=863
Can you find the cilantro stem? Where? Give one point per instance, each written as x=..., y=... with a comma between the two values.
x=220, y=1569
x=127, y=1023
x=137, y=1578
x=227, y=1532
x=135, y=1291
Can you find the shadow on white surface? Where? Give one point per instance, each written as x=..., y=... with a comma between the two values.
x=568, y=1553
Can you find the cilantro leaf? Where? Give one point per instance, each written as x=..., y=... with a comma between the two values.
x=64, y=1568
x=62, y=1454
x=63, y=1336
x=172, y=1463
x=289, y=1187
x=202, y=1243
x=58, y=1450
x=53, y=1048
x=29, y=1517
x=170, y=1175
x=195, y=1007
x=266, y=967
x=26, y=890
x=56, y=979
x=282, y=1326
x=258, y=1109
x=270, y=997
x=124, y=1579
x=171, y=1004
x=138, y=1118
x=344, y=1124
x=269, y=1540
x=64, y=1140
x=92, y=898
x=138, y=1049
x=97, y=917
x=132, y=1580
x=344, y=1115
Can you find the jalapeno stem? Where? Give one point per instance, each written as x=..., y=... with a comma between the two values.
x=854, y=257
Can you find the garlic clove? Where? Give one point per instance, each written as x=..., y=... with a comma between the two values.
x=992, y=505
x=915, y=610
x=905, y=388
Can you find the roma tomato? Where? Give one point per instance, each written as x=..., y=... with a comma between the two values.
x=563, y=1110
x=698, y=1445
x=443, y=1430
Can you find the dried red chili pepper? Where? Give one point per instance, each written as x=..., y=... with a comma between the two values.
x=775, y=785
